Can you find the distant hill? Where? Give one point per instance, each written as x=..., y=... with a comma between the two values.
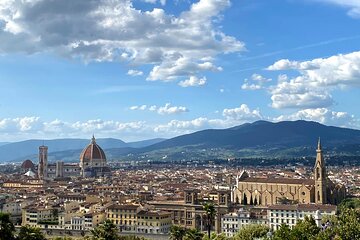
x=260, y=139
x=18, y=151
x=263, y=133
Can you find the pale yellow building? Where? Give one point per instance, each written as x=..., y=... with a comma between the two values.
x=123, y=216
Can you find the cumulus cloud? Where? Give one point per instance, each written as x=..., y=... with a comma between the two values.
x=15, y=129
x=325, y=116
x=168, y=109
x=353, y=6
x=193, y=81
x=317, y=79
x=232, y=117
x=258, y=82
x=176, y=47
x=135, y=73
x=243, y=113
x=163, y=110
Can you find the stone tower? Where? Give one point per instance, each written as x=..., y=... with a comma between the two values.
x=320, y=177
x=43, y=164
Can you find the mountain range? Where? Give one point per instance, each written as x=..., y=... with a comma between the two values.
x=64, y=148
x=258, y=139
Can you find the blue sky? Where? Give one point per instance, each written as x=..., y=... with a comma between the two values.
x=143, y=69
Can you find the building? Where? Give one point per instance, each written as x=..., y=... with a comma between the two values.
x=123, y=216
x=153, y=222
x=270, y=191
x=43, y=164
x=138, y=219
x=92, y=164
x=291, y=214
x=190, y=213
x=93, y=161
x=86, y=221
x=231, y=223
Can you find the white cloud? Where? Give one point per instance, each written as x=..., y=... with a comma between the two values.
x=299, y=94
x=193, y=81
x=318, y=77
x=25, y=124
x=232, y=117
x=15, y=129
x=102, y=30
x=135, y=73
x=324, y=116
x=243, y=113
x=352, y=5
x=162, y=2
x=258, y=80
x=248, y=86
x=166, y=109
x=141, y=107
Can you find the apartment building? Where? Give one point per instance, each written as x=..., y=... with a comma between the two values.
x=291, y=214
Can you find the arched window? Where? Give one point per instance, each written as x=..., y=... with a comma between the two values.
x=318, y=196
x=317, y=173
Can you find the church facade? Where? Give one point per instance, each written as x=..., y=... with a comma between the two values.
x=92, y=164
x=270, y=191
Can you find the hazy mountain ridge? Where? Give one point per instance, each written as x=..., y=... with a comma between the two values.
x=259, y=139
x=262, y=133
x=66, y=147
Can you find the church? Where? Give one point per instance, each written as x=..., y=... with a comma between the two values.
x=269, y=191
x=92, y=164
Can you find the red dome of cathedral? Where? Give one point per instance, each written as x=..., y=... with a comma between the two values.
x=27, y=164
x=92, y=151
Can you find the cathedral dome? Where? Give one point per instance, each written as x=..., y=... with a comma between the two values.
x=92, y=152
x=27, y=164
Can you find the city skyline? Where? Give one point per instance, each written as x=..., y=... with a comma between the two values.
x=136, y=70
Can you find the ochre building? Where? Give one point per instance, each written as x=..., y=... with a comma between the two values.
x=269, y=191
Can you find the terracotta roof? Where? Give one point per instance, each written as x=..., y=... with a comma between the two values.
x=92, y=151
x=280, y=180
x=304, y=207
x=27, y=164
x=118, y=206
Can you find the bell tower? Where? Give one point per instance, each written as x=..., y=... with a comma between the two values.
x=320, y=176
x=43, y=164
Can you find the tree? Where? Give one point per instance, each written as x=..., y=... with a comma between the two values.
x=177, y=232
x=305, y=229
x=193, y=234
x=210, y=215
x=348, y=226
x=215, y=236
x=284, y=232
x=347, y=203
x=251, y=232
x=30, y=233
x=105, y=231
x=7, y=228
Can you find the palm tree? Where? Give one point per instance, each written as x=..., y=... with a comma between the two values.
x=193, y=234
x=7, y=229
x=177, y=232
x=30, y=233
x=210, y=215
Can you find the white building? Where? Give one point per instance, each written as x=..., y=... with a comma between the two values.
x=291, y=214
x=231, y=223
